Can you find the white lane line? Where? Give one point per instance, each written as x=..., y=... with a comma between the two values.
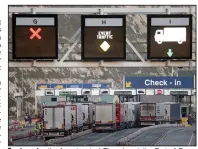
x=191, y=139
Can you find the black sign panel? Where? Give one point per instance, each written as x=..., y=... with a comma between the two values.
x=179, y=92
x=103, y=37
x=35, y=36
x=122, y=92
x=169, y=37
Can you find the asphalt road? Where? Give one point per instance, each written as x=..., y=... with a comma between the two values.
x=184, y=137
x=29, y=142
x=100, y=139
x=149, y=137
x=177, y=137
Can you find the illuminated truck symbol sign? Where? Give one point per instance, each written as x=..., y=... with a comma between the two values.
x=176, y=34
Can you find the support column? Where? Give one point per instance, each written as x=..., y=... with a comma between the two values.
x=19, y=110
x=36, y=105
x=190, y=105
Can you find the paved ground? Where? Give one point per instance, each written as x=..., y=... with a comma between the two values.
x=184, y=137
x=29, y=142
x=177, y=137
x=149, y=137
x=100, y=139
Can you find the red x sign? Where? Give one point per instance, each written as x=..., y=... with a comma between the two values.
x=35, y=33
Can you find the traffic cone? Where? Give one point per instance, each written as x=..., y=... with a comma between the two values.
x=10, y=141
x=22, y=129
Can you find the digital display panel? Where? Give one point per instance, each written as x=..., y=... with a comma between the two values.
x=169, y=37
x=103, y=37
x=35, y=36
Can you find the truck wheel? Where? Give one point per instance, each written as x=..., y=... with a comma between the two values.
x=159, y=42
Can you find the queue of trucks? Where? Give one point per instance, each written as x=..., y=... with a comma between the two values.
x=65, y=119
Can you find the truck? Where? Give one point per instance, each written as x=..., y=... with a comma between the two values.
x=121, y=115
x=105, y=117
x=77, y=117
x=169, y=34
x=160, y=112
x=88, y=115
x=147, y=113
x=132, y=114
x=56, y=121
x=172, y=112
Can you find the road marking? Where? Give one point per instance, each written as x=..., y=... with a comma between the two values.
x=191, y=139
x=100, y=139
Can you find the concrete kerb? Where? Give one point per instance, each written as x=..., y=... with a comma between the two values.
x=54, y=142
x=125, y=140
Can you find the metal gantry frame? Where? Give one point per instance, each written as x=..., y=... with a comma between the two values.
x=101, y=11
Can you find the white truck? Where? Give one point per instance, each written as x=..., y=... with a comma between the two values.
x=160, y=112
x=172, y=112
x=88, y=115
x=147, y=113
x=56, y=121
x=174, y=34
x=133, y=114
x=77, y=117
x=105, y=117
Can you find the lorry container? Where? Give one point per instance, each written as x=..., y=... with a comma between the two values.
x=160, y=113
x=147, y=113
x=121, y=117
x=133, y=114
x=88, y=115
x=172, y=111
x=56, y=121
x=105, y=116
x=77, y=117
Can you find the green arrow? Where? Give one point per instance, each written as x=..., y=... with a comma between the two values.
x=170, y=53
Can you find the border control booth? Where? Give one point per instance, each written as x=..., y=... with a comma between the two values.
x=182, y=89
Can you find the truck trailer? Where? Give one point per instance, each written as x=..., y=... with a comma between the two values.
x=105, y=117
x=88, y=115
x=56, y=121
x=121, y=115
x=147, y=113
x=133, y=114
x=172, y=112
x=77, y=117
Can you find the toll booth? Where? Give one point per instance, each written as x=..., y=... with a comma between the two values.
x=185, y=100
